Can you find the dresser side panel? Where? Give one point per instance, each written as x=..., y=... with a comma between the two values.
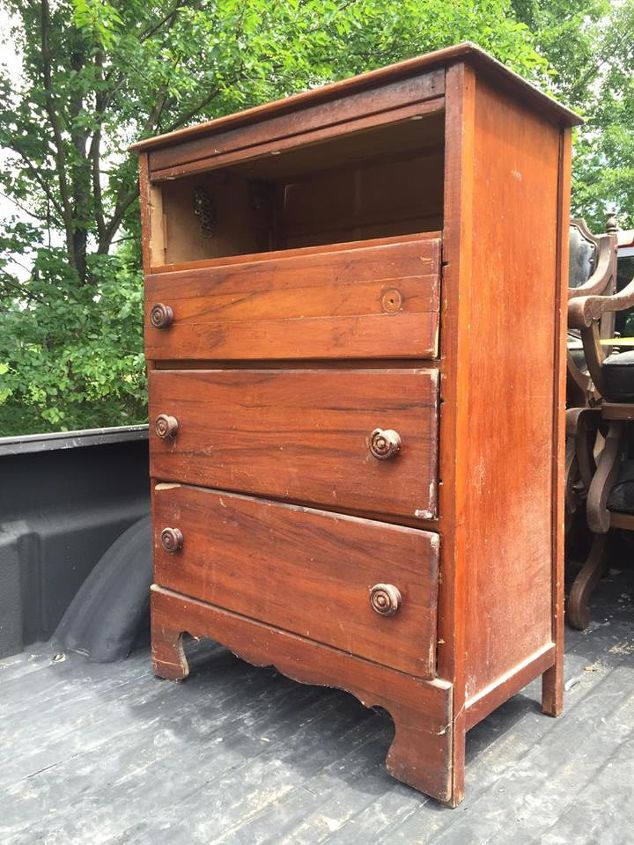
x=512, y=400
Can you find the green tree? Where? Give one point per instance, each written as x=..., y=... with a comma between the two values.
x=97, y=75
x=589, y=45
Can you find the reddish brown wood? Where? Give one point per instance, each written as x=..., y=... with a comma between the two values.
x=301, y=435
x=446, y=57
x=394, y=101
x=612, y=411
x=488, y=699
x=622, y=520
x=366, y=301
x=510, y=460
x=587, y=578
x=454, y=386
x=268, y=404
x=281, y=252
x=421, y=710
x=605, y=475
x=553, y=677
x=145, y=204
x=251, y=555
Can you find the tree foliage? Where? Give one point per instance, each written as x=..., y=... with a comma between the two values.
x=589, y=45
x=99, y=74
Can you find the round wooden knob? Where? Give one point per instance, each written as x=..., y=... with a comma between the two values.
x=161, y=316
x=384, y=443
x=165, y=426
x=172, y=540
x=385, y=599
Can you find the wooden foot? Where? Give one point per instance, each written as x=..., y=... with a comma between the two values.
x=419, y=759
x=425, y=752
x=553, y=690
x=578, y=613
x=168, y=656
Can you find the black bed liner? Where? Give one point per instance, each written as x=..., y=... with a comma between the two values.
x=108, y=753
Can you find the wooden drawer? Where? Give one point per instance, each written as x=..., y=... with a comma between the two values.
x=346, y=301
x=305, y=571
x=301, y=435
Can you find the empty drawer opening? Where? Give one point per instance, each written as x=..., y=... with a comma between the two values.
x=383, y=182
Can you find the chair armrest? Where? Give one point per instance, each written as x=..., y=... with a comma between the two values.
x=604, y=272
x=584, y=310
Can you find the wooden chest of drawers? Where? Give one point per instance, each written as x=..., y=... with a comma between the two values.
x=354, y=341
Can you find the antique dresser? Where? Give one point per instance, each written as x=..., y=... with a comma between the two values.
x=354, y=345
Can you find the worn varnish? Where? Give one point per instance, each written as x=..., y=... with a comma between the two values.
x=379, y=300
x=301, y=435
x=242, y=553
x=403, y=98
x=354, y=337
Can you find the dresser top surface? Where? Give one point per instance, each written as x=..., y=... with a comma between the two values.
x=439, y=59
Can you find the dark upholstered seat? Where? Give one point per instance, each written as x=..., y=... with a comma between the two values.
x=618, y=376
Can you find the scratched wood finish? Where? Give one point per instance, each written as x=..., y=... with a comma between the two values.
x=244, y=554
x=454, y=387
x=361, y=302
x=301, y=435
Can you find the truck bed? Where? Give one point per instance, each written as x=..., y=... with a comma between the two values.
x=110, y=754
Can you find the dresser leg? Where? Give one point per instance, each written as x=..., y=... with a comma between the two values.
x=425, y=760
x=553, y=688
x=168, y=656
x=423, y=753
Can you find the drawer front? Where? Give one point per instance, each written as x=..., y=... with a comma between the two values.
x=349, y=302
x=305, y=571
x=301, y=435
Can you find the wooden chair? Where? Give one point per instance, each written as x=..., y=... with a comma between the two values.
x=608, y=479
x=592, y=270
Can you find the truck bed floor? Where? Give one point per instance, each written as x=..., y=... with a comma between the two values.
x=109, y=754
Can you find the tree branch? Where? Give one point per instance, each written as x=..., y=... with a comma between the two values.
x=49, y=104
x=123, y=203
x=37, y=177
x=19, y=289
x=155, y=115
x=95, y=152
x=199, y=106
x=168, y=18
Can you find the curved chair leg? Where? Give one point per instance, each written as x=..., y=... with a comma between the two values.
x=577, y=611
x=603, y=480
x=571, y=487
x=586, y=422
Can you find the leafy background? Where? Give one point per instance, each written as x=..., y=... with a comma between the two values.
x=89, y=77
